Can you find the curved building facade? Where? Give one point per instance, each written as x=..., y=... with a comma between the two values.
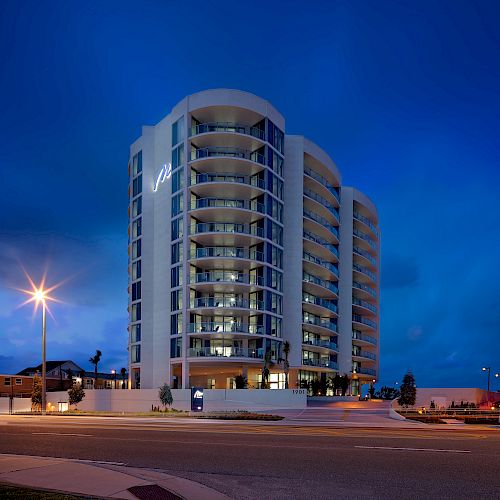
x=241, y=238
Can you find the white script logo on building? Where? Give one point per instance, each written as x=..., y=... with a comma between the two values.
x=164, y=175
x=198, y=394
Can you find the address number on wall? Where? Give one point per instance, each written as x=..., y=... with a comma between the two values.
x=298, y=391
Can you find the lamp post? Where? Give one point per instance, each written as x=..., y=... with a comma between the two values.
x=488, y=369
x=113, y=372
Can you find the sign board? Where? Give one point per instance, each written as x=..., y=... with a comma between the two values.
x=197, y=398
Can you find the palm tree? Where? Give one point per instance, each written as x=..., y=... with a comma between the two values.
x=123, y=373
x=286, y=364
x=265, y=370
x=95, y=361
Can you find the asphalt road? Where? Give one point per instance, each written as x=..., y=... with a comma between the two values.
x=248, y=461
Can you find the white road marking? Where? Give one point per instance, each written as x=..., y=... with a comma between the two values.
x=59, y=434
x=411, y=449
x=101, y=462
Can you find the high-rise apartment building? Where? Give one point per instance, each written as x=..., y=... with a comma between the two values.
x=241, y=238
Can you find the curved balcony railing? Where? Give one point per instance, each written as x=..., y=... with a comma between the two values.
x=322, y=201
x=364, y=270
x=320, y=241
x=226, y=352
x=203, y=128
x=357, y=335
x=320, y=363
x=366, y=288
x=216, y=151
x=323, y=181
x=226, y=227
x=322, y=221
x=366, y=221
x=311, y=319
x=220, y=327
x=318, y=301
x=365, y=321
x=239, y=179
x=323, y=263
x=364, y=354
x=364, y=237
x=364, y=303
x=365, y=254
x=309, y=278
x=252, y=205
x=229, y=252
x=321, y=343
x=364, y=371
x=227, y=277
x=229, y=302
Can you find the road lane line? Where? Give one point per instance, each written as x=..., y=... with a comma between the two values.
x=411, y=449
x=60, y=434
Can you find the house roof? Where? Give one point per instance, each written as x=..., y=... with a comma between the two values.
x=50, y=365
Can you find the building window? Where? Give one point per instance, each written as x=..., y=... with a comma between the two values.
x=177, y=204
x=137, y=186
x=136, y=291
x=7, y=381
x=176, y=324
x=274, y=303
x=176, y=276
x=176, y=252
x=176, y=300
x=135, y=354
x=137, y=228
x=136, y=249
x=274, y=256
x=178, y=131
x=177, y=180
x=176, y=348
x=136, y=312
x=274, y=279
x=136, y=270
x=178, y=156
x=19, y=381
x=275, y=136
x=137, y=207
x=135, y=333
x=137, y=164
x=211, y=383
x=275, y=233
x=177, y=228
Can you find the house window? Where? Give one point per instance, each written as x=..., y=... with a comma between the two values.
x=7, y=381
x=19, y=381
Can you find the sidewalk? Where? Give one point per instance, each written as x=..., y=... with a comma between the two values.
x=99, y=479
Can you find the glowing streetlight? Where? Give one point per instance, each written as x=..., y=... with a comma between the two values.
x=40, y=295
x=488, y=369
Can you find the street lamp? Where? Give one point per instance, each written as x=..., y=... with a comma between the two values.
x=113, y=372
x=40, y=295
x=488, y=369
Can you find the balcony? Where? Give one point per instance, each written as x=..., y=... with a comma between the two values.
x=226, y=302
x=323, y=223
x=231, y=179
x=357, y=335
x=365, y=288
x=366, y=221
x=321, y=363
x=321, y=343
x=223, y=152
x=366, y=255
x=226, y=352
x=229, y=127
x=212, y=327
x=319, y=178
x=226, y=233
x=320, y=262
x=364, y=321
x=226, y=253
x=365, y=371
x=365, y=271
x=307, y=298
x=365, y=238
x=364, y=354
x=227, y=278
x=323, y=245
x=330, y=285
x=313, y=320
x=365, y=304
x=215, y=207
x=323, y=202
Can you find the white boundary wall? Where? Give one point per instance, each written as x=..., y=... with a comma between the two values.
x=214, y=400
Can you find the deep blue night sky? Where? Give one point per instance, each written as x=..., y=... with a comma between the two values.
x=404, y=96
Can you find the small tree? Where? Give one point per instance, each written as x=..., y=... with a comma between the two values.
x=240, y=382
x=123, y=373
x=344, y=384
x=286, y=364
x=95, y=360
x=165, y=395
x=316, y=387
x=76, y=394
x=336, y=383
x=265, y=371
x=408, y=391
x=36, y=394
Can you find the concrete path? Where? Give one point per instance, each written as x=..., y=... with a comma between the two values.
x=99, y=479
